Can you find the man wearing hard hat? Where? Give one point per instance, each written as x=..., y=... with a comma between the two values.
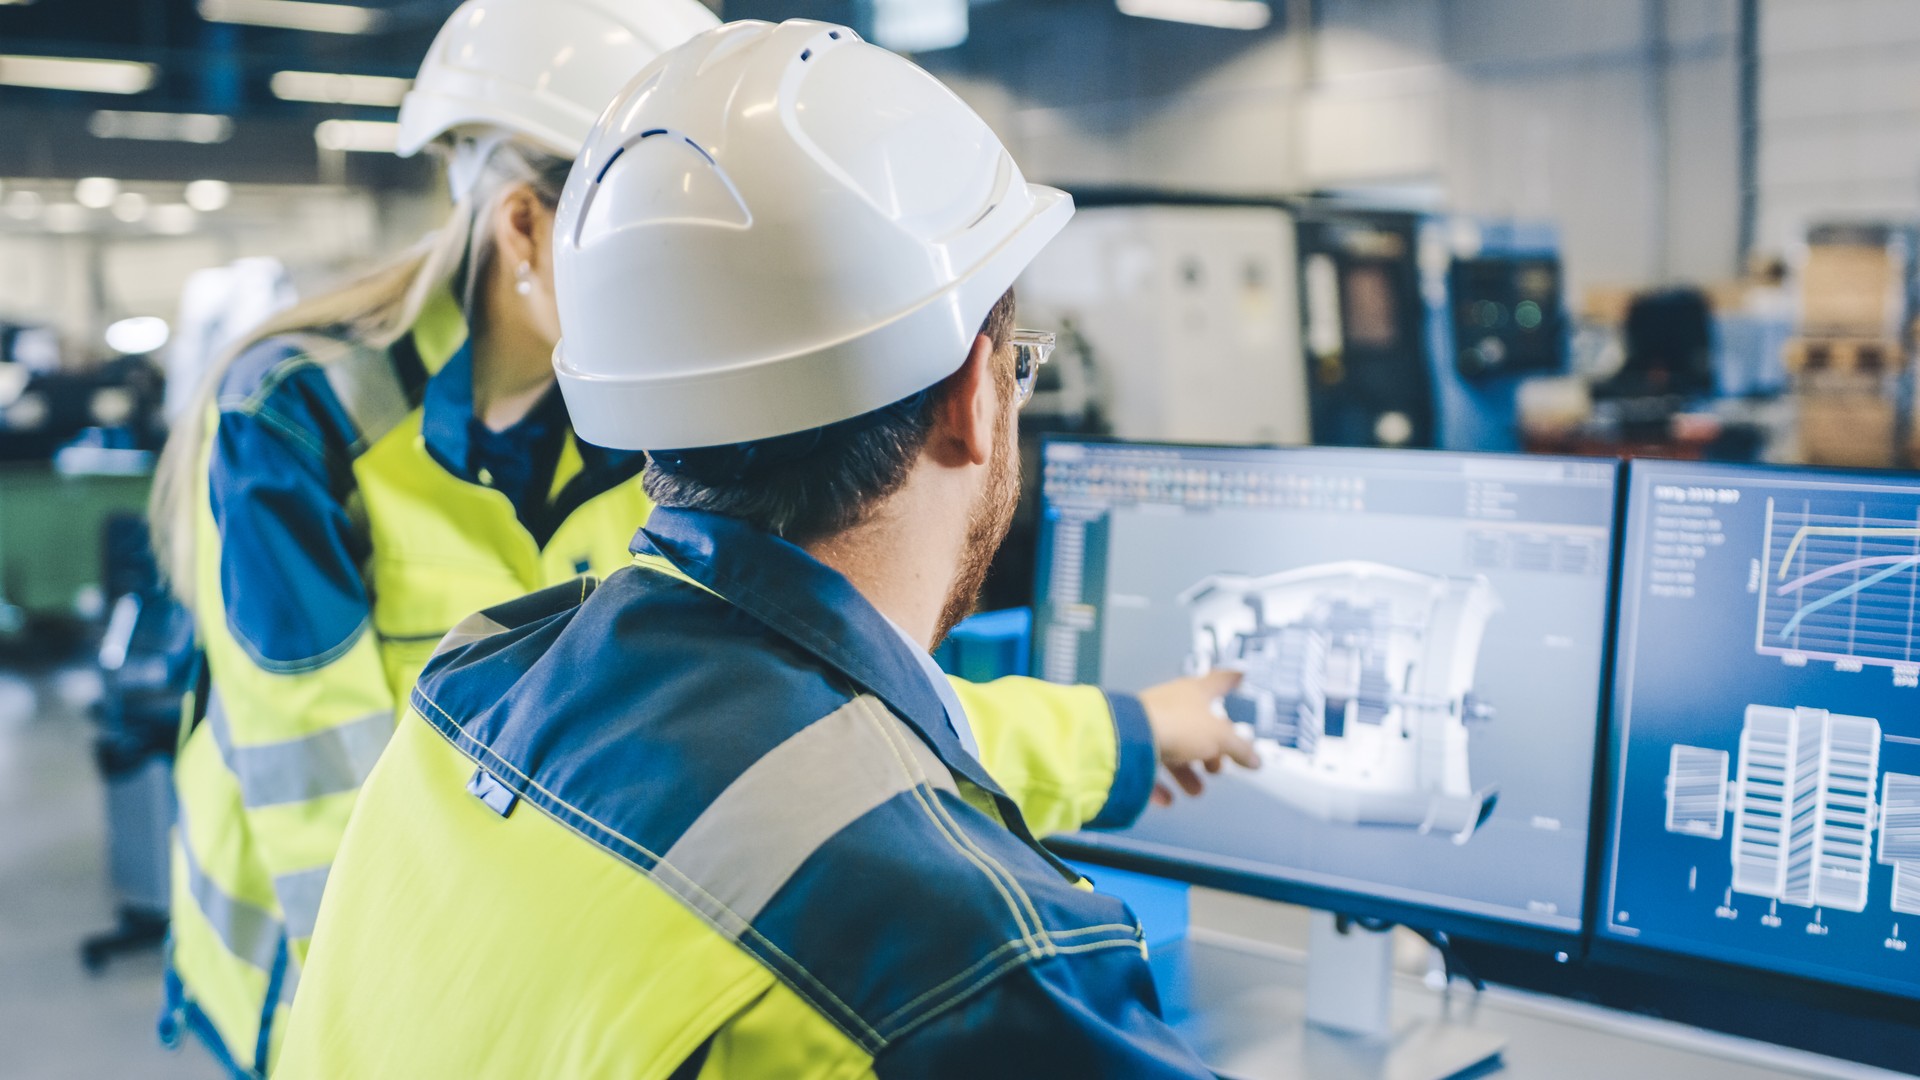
x=719, y=816
x=391, y=456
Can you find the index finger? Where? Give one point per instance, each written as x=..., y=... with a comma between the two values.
x=1240, y=750
x=1219, y=682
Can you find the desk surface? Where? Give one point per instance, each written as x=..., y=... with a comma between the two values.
x=1247, y=957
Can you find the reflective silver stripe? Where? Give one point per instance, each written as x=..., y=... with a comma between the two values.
x=475, y=627
x=249, y=931
x=299, y=894
x=365, y=382
x=745, y=846
x=323, y=763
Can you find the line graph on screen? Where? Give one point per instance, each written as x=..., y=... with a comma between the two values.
x=1840, y=581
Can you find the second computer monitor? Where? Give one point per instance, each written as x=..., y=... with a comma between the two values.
x=1766, y=751
x=1420, y=638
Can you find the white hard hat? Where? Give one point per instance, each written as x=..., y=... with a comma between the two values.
x=775, y=228
x=538, y=69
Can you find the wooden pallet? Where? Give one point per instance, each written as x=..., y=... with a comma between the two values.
x=1855, y=355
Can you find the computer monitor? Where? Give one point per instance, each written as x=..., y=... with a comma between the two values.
x=1765, y=758
x=1422, y=640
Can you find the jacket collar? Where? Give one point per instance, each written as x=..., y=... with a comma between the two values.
x=819, y=610
x=439, y=350
x=439, y=331
x=446, y=414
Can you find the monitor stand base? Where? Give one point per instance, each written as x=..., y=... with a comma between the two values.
x=1252, y=1016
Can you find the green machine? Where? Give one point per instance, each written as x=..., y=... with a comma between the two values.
x=51, y=523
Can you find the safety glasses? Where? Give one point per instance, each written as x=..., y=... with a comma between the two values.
x=1030, y=349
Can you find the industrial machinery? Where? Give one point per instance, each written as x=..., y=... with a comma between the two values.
x=1288, y=321
x=1174, y=322
x=1186, y=317
x=146, y=659
x=1420, y=327
x=1365, y=328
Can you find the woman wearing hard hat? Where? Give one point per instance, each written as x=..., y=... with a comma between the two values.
x=383, y=460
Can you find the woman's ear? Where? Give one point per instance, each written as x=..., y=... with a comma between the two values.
x=520, y=227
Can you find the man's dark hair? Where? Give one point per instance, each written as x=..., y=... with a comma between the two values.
x=813, y=483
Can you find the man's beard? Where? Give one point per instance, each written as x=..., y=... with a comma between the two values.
x=987, y=525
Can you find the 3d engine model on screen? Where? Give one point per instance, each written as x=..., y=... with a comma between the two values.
x=1357, y=688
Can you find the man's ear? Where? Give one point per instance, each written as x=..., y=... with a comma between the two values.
x=963, y=417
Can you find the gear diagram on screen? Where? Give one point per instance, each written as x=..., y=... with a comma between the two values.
x=1803, y=807
x=1357, y=688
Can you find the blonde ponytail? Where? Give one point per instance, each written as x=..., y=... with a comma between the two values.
x=374, y=309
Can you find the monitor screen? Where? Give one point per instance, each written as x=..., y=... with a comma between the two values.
x=1766, y=734
x=1420, y=637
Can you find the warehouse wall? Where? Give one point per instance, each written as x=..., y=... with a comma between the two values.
x=1839, y=111
x=1616, y=118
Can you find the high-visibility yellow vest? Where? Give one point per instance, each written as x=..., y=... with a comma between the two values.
x=267, y=783
x=707, y=820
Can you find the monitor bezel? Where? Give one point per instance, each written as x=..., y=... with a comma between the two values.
x=1560, y=941
x=1608, y=947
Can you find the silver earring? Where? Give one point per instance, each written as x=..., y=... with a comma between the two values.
x=523, y=278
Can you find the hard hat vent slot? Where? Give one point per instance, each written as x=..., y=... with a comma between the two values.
x=609, y=164
x=656, y=180
x=806, y=55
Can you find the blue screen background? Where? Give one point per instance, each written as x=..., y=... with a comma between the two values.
x=1687, y=667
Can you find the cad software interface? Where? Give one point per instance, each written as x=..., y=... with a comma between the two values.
x=1767, y=722
x=1420, y=638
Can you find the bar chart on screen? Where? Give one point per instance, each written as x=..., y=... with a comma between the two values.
x=1839, y=580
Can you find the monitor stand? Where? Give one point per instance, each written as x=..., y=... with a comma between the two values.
x=1250, y=1017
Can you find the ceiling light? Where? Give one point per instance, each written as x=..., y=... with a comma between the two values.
x=160, y=126
x=140, y=334
x=173, y=219
x=77, y=73
x=919, y=25
x=378, y=136
x=129, y=206
x=294, y=15
x=96, y=192
x=23, y=205
x=1225, y=14
x=209, y=195
x=339, y=89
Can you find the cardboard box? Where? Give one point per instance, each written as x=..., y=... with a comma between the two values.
x=1849, y=427
x=1605, y=305
x=1853, y=290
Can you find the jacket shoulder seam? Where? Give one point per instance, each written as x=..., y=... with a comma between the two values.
x=1021, y=904
x=1006, y=967
x=303, y=665
x=548, y=801
x=1034, y=942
